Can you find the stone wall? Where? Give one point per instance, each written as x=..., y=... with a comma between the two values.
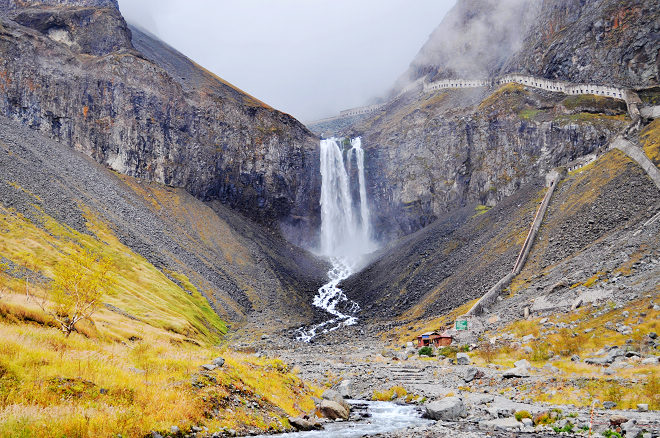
x=361, y=110
x=565, y=87
x=455, y=83
x=526, y=80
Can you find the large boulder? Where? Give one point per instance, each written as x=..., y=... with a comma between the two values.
x=333, y=410
x=612, y=355
x=303, y=424
x=506, y=424
x=462, y=359
x=471, y=374
x=336, y=397
x=515, y=373
x=523, y=363
x=447, y=409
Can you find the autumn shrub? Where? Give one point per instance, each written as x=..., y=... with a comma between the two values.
x=540, y=351
x=651, y=391
x=448, y=351
x=522, y=414
x=393, y=393
x=567, y=343
x=547, y=417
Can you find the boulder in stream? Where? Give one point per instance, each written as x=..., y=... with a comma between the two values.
x=333, y=410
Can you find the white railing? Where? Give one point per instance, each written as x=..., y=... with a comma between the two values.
x=526, y=80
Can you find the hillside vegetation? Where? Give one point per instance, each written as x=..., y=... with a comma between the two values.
x=134, y=365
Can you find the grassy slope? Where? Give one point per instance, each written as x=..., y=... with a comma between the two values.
x=650, y=138
x=576, y=383
x=51, y=386
x=141, y=289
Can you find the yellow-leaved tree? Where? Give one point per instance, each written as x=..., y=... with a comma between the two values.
x=3, y=268
x=80, y=281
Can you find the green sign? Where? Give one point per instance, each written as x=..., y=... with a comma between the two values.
x=461, y=324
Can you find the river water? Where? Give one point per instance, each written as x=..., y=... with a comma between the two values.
x=385, y=417
x=345, y=232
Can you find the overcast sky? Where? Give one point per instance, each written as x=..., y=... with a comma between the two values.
x=309, y=58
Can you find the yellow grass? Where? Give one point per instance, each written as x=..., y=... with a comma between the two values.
x=80, y=387
x=140, y=288
x=512, y=93
x=637, y=384
x=440, y=323
x=118, y=374
x=650, y=139
x=247, y=98
x=390, y=394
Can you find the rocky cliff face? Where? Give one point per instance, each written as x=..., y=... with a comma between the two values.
x=473, y=41
x=592, y=228
x=248, y=273
x=434, y=152
x=454, y=148
x=70, y=69
x=603, y=42
x=11, y=5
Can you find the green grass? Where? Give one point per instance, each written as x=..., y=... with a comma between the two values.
x=650, y=96
x=594, y=103
x=585, y=117
x=481, y=209
x=528, y=113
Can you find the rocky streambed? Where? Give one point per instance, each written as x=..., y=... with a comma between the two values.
x=370, y=418
x=457, y=398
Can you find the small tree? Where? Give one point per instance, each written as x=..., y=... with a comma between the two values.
x=3, y=268
x=487, y=350
x=29, y=271
x=79, y=283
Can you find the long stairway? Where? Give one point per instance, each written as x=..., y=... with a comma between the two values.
x=491, y=296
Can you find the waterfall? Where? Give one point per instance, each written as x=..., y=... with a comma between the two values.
x=345, y=240
x=337, y=221
x=356, y=143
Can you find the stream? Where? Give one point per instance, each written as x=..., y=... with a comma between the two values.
x=384, y=417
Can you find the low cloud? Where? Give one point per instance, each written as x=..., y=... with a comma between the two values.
x=310, y=58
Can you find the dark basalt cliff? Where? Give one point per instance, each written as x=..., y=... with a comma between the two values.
x=71, y=70
x=454, y=148
x=601, y=42
x=430, y=153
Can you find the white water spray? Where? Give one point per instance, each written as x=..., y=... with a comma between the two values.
x=356, y=143
x=345, y=240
